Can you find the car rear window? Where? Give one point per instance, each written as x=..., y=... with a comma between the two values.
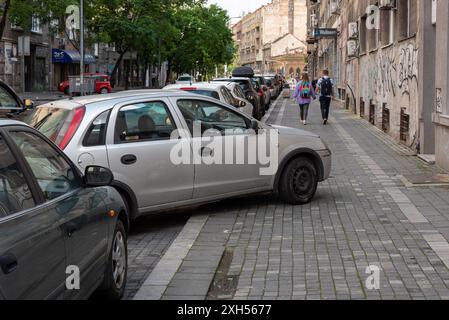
x=48, y=121
x=243, y=84
x=185, y=79
x=207, y=93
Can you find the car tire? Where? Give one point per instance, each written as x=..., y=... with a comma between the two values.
x=113, y=286
x=257, y=114
x=268, y=105
x=299, y=181
x=104, y=91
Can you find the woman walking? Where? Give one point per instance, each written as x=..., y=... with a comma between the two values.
x=303, y=94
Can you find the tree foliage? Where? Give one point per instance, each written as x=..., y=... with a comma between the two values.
x=205, y=39
x=188, y=33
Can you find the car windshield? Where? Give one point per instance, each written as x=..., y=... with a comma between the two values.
x=49, y=121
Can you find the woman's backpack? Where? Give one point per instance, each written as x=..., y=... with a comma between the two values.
x=305, y=91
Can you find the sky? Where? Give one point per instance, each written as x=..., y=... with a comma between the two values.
x=236, y=7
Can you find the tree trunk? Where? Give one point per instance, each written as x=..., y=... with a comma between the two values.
x=4, y=17
x=117, y=65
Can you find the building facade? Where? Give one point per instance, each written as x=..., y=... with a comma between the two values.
x=36, y=64
x=376, y=57
x=272, y=39
x=54, y=56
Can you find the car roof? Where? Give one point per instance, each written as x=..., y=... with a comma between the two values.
x=122, y=95
x=199, y=85
x=8, y=122
x=232, y=79
x=100, y=103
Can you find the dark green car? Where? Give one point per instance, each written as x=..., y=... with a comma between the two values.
x=62, y=234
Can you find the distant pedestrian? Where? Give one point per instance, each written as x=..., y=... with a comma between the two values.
x=304, y=94
x=326, y=91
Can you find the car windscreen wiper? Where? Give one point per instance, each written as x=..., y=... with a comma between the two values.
x=38, y=125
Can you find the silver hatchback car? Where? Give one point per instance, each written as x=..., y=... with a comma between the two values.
x=140, y=134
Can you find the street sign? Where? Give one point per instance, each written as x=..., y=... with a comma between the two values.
x=24, y=46
x=320, y=33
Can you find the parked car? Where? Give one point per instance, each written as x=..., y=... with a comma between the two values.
x=10, y=103
x=264, y=90
x=238, y=95
x=217, y=90
x=131, y=134
x=185, y=79
x=53, y=218
x=251, y=94
x=286, y=92
x=102, y=84
x=274, y=84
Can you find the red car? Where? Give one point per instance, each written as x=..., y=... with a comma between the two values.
x=102, y=84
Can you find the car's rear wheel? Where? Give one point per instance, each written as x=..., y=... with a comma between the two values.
x=299, y=181
x=114, y=282
x=104, y=91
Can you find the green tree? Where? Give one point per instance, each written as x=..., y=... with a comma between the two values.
x=205, y=41
x=136, y=25
x=20, y=11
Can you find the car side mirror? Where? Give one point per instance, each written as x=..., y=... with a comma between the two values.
x=254, y=126
x=29, y=104
x=242, y=104
x=96, y=176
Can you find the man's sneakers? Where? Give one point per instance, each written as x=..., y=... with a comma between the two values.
x=325, y=122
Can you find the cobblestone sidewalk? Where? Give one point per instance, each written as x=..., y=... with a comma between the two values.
x=363, y=216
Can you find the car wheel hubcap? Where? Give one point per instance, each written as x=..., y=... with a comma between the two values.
x=302, y=181
x=118, y=260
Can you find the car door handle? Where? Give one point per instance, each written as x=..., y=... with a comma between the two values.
x=8, y=263
x=70, y=229
x=129, y=159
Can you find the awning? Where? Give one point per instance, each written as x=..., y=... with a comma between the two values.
x=70, y=56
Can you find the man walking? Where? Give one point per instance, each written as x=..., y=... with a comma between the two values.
x=325, y=90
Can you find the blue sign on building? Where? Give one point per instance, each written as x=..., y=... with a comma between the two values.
x=70, y=56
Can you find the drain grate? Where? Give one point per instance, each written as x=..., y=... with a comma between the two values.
x=224, y=286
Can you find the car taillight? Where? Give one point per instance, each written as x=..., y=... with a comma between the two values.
x=260, y=93
x=188, y=89
x=70, y=126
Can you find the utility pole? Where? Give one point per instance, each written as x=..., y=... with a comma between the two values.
x=82, y=46
x=22, y=64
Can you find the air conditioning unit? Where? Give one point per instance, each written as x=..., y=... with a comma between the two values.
x=353, y=30
x=353, y=48
x=387, y=4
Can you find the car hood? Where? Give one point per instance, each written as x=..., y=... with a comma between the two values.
x=295, y=132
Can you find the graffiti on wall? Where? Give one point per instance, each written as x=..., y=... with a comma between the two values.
x=389, y=73
x=391, y=76
x=408, y=67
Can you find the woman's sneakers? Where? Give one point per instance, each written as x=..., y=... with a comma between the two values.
x=304, y=122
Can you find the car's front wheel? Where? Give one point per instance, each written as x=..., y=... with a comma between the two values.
x=114, y=282
x=104, y=91
x=299, y=181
